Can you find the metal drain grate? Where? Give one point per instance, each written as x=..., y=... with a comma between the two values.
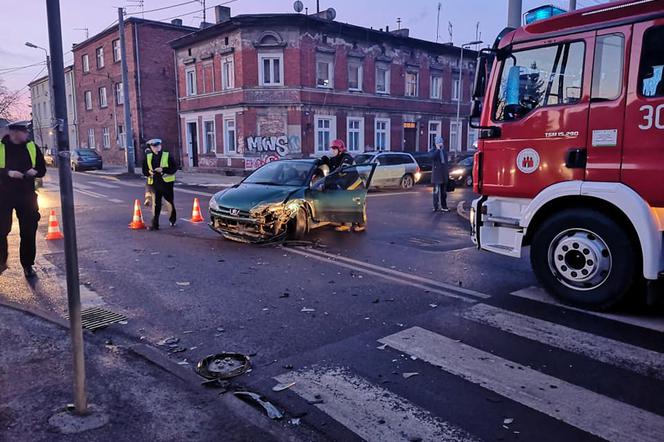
x=95, y=318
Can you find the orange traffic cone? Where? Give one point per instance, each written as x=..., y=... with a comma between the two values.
x=53, y=228
x=196, y=216
x=137, y=222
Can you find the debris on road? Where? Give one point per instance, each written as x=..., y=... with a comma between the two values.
x=169, y=341
x=281, y=387
x=284, y=295
x=183, y=283
x=508, y=421
x=223, y=366
x=294, y=422
x=382, y=347
x=256, y=400
x=307, y=310
x=409, y=375
x=433, y=305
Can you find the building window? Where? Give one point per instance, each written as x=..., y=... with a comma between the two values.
x=383, y=79
x=324, y=73
x=411, y=84
x=91, y=138
x=103, y=101
x=355, y=76
x=455, y=89
x=190, y=76
x=227, y=73
x=271, y=69
x=326, y=131
x=117, y=53
x=106, y=138
x=210, y=138
x=230, y=140
x=119, y=93
x=355, y=134
x=208, y=78
x=382, y=139
x=436, y=87
x=100, y=58
x=455, y=136
x=88, y=100
x=121, y=137
x=86, y=63
x=434, y=132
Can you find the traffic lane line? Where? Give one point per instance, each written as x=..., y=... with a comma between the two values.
x=619, y=354
x=371, y=412
x=400, y=274
x=399, y=280
x=540, y=295
x=576, y=406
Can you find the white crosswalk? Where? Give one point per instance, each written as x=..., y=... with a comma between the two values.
x=373, y=412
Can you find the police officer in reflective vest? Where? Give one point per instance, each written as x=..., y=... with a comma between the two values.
x=159, y=168
x=21, y=162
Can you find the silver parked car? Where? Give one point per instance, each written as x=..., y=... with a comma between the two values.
x=395, y=169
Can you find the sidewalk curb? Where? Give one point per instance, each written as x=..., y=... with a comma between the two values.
x=461, y=211
x=41, y=314
x=155, y=357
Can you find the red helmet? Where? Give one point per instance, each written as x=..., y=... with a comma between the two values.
x=339, y=145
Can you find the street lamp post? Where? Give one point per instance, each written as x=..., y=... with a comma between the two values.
x=460, y=91
x=50, y=89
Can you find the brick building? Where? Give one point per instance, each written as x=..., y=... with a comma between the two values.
x=253, y=88
x=99, y=99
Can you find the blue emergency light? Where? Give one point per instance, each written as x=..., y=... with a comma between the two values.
x=542, y=13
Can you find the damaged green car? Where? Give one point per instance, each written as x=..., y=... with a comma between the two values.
x=288, y=198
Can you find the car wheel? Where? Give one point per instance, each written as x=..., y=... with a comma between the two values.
x=407, y=182
x=585, y=259
x=299, y=225
x=469, y=181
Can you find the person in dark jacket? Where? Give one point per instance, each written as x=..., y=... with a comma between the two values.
x=439, y=175
x=21, y=162
x=159, y=168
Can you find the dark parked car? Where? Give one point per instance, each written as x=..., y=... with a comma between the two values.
x=461, y=173
x=82, y=159
x=288, y=198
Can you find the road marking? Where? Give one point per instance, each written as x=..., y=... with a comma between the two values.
x=540, y=295
x=82, y=186
x=616, y=353
x=399, y=280
x=116, y=201
x=591, y=412
x=90, y=193
x=371, y=412
x=106, y=185
x=400, y=274
x=373, y=195
x=194, y=192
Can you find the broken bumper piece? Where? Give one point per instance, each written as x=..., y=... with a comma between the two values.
x=261, y=225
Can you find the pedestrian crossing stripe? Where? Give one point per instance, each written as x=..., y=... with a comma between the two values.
x=576, y=406
x=371, y=412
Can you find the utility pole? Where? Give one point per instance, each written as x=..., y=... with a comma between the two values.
x=67, y=202
x=572, y=5
x=203, y=2
x=514, y=11
x=438, y=22
x=129, y=136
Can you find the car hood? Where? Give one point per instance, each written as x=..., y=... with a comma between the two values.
x=247, y=196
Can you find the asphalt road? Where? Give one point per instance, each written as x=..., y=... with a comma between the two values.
x=351, y=317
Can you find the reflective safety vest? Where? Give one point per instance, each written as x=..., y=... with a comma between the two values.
x=164, y=164
x=32, y=150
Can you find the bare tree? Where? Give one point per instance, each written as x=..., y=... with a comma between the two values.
x=9, y=101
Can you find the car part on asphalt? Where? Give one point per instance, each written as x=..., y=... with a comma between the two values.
x=256, y=400
x=281, y=387
x=223, y=366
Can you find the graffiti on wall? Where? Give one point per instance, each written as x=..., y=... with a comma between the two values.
x=263, y=149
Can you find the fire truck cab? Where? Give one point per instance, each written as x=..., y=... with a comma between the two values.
x=570, y=160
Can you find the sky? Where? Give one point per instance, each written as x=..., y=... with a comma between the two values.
x=77, y=16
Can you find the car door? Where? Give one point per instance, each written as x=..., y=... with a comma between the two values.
x=341, y=196
x=539, y=113
x=643, y=150
x=382, y=174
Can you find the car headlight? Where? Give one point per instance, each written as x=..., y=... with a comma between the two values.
x=457, y=172
x=214, y=205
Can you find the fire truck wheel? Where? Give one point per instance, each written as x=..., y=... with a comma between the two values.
x=585, y=259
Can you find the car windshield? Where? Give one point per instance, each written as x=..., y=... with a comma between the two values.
x=364, y=158
x=466, y=162
x=87, y=153
x=282, y=173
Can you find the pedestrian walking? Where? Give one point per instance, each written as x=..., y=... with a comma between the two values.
x=340, y=159
x=439, y=175
x=159, y=169
x=21, y=162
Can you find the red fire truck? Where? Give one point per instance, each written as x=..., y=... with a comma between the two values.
x=570, y=160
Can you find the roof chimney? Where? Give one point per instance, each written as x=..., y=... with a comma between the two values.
x=222, y=13
x=403, y=32
x=205, y=24
x=176, y=22
x=387, y=29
